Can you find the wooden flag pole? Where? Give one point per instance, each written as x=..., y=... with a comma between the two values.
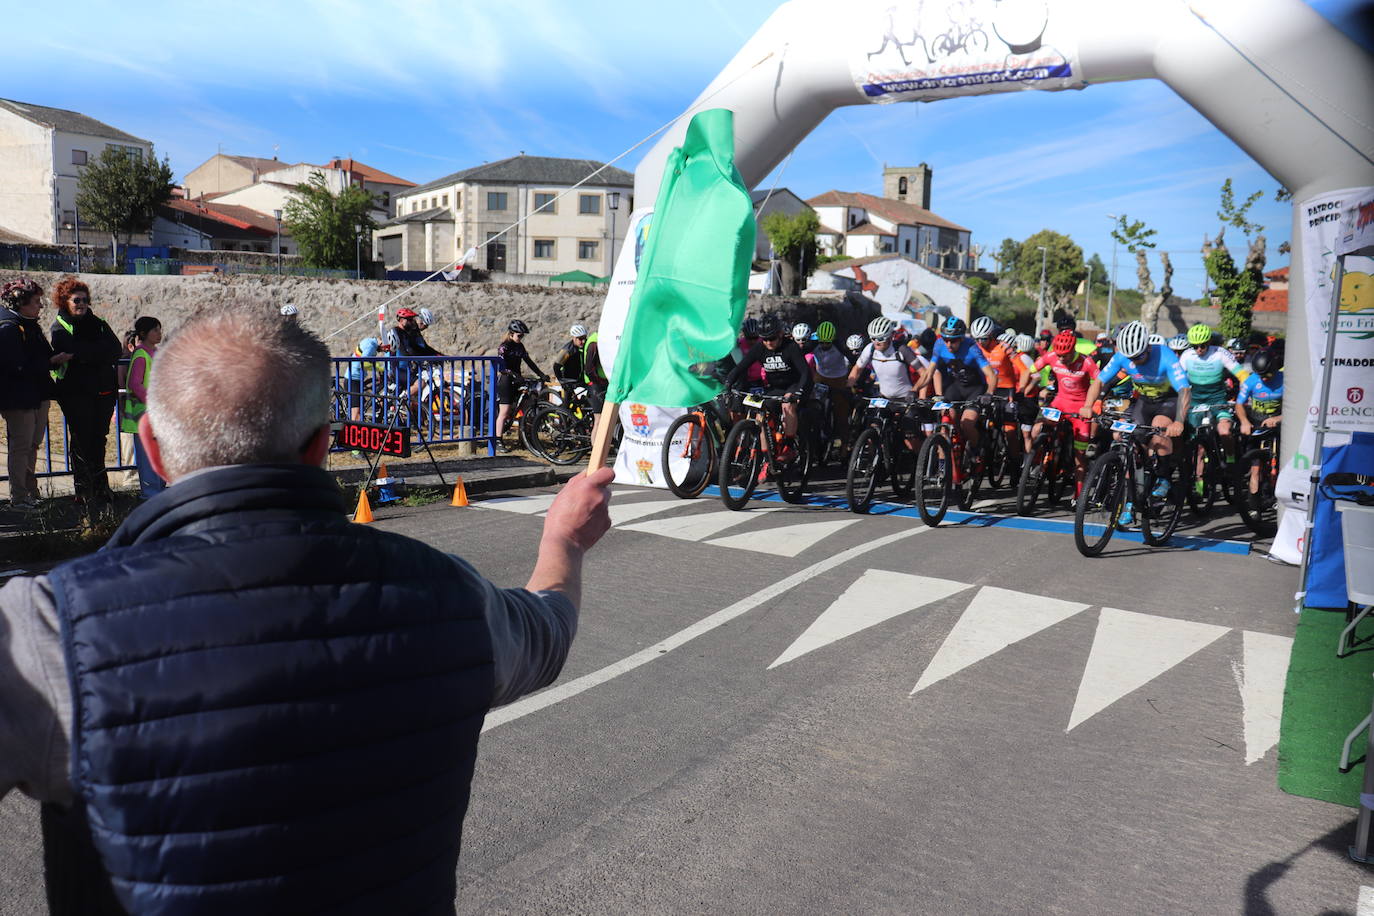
x=602, y=433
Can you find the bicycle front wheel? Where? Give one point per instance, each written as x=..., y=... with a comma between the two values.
x=1033, y=472
x=739, y=464
x=689, y=455
x=553, y=434
x=1258, y=508
x=793, y=472
x=865, y=464
x=1100, y=504
x=1160, y=515
x=934, y=479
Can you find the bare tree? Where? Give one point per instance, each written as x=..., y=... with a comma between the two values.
x=1154, y=300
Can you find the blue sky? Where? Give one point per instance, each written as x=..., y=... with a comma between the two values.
x=424, y=88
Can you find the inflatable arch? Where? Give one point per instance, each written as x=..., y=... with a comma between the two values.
x=1273, y=75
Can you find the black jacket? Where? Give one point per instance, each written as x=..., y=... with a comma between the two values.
x=24, y=362
x=95, y=350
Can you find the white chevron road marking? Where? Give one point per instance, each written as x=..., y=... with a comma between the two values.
x=787, y=541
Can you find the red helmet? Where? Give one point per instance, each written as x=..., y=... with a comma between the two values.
x=405, y=313
x=1064, y=343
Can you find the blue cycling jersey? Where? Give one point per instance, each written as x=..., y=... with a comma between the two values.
x=964, y=367
x=1263, y=397
x=1153, y=378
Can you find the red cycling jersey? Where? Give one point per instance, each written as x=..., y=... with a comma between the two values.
x=1071, y=382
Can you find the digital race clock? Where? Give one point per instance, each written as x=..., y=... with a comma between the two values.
x=365, y=437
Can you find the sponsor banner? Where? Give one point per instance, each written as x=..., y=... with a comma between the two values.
x=914, y=51
x=1357, y=227
x=1351, y=402
x=641, y=444
x=623, y=276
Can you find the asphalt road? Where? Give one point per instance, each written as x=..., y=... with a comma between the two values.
x=797, y=709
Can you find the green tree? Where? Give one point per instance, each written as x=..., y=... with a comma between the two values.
x=1136, y=237
x=794, y=242
x=1063, y=262
x=1236, y=286
x=1006, y=258
x=1097, y=274
x=1232, y=214
x=980, y=295
x=325, y=224
x=121, y=190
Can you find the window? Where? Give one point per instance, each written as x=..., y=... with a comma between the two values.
x=588, y=250
x=386, y=198
x=901, y=186
x=414, y=206
x=544, y=202
x=78, y=157
x=496, y=200
x=69, y=218
x=906, y=246
x=457, y=200
x=133, y=152
x=444, y=201
x=589, y=204
x=543, y=248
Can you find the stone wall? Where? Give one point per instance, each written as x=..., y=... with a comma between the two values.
x=471, y=317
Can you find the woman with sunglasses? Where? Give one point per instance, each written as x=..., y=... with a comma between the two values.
x=509, y=380
x=86, y=388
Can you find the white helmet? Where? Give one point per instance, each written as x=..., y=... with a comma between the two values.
x=426, y=317
x=577, y=330
x=1156, y=340
x=801, y=331
x=854, y=342
x=1132, y=340
x=1008, y=337
x=1024, y=343
x=982, y=327
x=289, y=311
x=881, y=328
x=1178, y=343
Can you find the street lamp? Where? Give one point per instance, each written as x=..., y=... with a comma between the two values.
x=1111, y=287
x=1040, y=309
x=277, y=214
x=612, y=204
x=358, y=253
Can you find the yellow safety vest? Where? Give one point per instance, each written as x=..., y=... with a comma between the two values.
x=134, y=408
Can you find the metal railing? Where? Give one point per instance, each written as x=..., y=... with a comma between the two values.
x=441, y=399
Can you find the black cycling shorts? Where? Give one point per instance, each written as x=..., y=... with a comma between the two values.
x=1027, y=409
x=968, y=391
x=506, y=385
x=1144, y=410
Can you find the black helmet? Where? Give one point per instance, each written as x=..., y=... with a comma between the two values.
x=1065, y=323
x=518, y=327
x=751, y=327
x=953, y=328
x=1264, y=362
x=770, y=327
x=927, y=339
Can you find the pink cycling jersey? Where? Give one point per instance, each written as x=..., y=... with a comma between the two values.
x=1071, y=384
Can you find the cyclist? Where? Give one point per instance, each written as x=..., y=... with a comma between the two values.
x=1077, y=387
x=925, y=343
x=568, y=364
x=593, y=375
x=748, y=339
x=512, y=354
x=406, y=339
x=801, y=333
x=961, y=373
x=785, y=372
x=1179, y=344
x=999, y=356
x=1260, y=399
x=1027, y=380
x=890, y=363
x=425, y=319
x=830, y=367
x=1161, y=386
x=1207, y=367
x=854, y=345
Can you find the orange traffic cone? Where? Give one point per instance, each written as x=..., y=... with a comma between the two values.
x=363, y=515
x=382, y=471
x=460, y=493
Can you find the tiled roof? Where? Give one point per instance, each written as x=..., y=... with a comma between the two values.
x=867, y=228
x=257, y=164
x=1272, y=300
x=229, y=214
x=434, y=214
x=895, y=211
x=1280, y=274
x=72, y=122
x=537, y=170
x=826, y=230
x=367, y=172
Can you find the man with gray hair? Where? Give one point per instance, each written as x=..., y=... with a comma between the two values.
x=245, y=703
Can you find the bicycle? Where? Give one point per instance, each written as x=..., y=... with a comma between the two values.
x=1217, y=476
x=881, y=452
x=757, y=443
x=1127, y=474
x=691, y=446
x=943, y=466
x=999, y=453
x=1257, y=473
x=1048, y=468
x=529, y=396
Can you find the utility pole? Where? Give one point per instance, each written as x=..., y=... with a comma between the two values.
x=1111, y=285
x=277, y=214
x=1040, y=308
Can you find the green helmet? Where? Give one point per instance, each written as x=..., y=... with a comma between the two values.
x=825, y=333
x=1200, y=334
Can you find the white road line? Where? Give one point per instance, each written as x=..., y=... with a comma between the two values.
x=699, y=525
x=876, y=596
x=994, y=619
x=1261, y=678
x=525, y=505
x=1130, y=650
x=1365, y=907
x=622, y=512
x=787, y=541
x=560, y=692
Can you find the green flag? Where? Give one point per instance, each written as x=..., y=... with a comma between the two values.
x=693, y=278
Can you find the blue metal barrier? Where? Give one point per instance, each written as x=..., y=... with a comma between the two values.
x=439, y=398
x=60, y=465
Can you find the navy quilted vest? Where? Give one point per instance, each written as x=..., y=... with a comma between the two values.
x=275, y=711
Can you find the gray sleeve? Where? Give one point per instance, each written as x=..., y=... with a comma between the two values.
x=531, y=634
x=35, y=698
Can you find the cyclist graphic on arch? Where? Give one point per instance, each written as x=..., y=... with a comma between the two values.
x=890, y=37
